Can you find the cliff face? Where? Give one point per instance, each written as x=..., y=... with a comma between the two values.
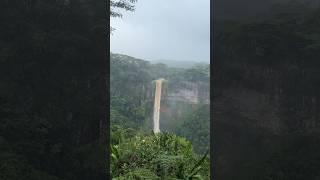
x=189, y=92
x=181, y=99
x=183, y=90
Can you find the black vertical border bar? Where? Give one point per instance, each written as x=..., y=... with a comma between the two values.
x=107, y=88
x=103, y=48
x=212, y=145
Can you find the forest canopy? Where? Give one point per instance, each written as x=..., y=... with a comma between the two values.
x=136, y=151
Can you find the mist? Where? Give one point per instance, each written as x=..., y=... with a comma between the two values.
x=158, y=30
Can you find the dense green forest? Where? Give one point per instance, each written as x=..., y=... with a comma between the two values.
x=53, y=90
x=53, y=97
x=266, y=95
x=181, y=150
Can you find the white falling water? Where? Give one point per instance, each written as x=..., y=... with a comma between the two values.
x=157, y=102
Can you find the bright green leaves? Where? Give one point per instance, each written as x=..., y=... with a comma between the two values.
x=156, y=156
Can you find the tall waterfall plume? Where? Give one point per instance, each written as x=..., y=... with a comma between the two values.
x=157, y=103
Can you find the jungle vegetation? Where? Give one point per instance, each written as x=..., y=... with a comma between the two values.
x=138, y=153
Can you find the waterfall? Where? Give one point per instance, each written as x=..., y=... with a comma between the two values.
x=157, y=102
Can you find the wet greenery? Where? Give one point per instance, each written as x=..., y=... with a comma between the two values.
x=137, y=153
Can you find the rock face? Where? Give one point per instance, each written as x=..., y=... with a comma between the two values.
x=183, y=89
x=188, y=95
x=185, y=95
x=181, y=99
x=189, y=92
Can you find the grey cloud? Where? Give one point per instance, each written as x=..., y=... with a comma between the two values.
x=164, y=29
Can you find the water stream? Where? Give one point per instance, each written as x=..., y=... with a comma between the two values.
x=157, y=103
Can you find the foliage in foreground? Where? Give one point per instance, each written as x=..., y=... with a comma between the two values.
x=195, y=126
x=157, y=156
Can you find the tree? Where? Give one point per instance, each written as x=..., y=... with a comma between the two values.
x=117, y=5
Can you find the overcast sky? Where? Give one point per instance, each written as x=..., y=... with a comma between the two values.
x=164, y=29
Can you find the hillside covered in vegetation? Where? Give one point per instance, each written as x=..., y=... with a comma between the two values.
x=181, y=149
